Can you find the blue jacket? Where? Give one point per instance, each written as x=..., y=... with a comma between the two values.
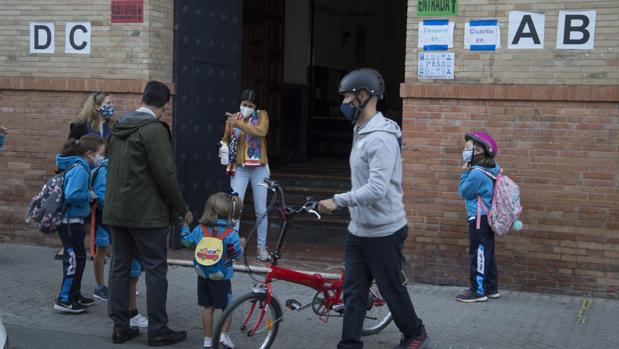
x=475, y=182
x=232, y=245
x=98, y=186
x=76, y=182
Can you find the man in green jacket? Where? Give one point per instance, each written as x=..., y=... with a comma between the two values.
x=142, y=199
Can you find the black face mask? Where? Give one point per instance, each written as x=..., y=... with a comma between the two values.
x=351, y=112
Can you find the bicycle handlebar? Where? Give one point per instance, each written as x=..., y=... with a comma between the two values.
x=309, y=207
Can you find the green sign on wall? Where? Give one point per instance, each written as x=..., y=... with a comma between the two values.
x=440, y=8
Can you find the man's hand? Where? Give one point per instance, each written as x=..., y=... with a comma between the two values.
x=188, y=217
x=327, y=206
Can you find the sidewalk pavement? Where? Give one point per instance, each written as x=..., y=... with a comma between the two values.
x=30, y=278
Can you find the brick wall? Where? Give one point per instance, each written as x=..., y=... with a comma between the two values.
x=555, y=116
x=40, y=94
x=599, y=66
x=119, y=51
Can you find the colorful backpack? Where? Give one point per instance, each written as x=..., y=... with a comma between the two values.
x=47, y=208
x=209, y=257
x=506, y=206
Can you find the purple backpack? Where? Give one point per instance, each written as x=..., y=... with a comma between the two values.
x=506, y=206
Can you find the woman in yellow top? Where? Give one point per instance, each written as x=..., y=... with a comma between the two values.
x=245, y=138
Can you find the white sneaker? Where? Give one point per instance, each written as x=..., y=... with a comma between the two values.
x=208, y=342
x=139, y=321
x=263, y=255
x=226, y=341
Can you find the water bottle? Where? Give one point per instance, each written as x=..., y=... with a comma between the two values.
x=223, y=153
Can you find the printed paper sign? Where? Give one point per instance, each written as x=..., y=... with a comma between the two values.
x=526, y=30
x=436, y=65
x=576, y=30
x=435, y=35
x=42, y=37
x=437, y=8
x=77, y=38
x=482, y=35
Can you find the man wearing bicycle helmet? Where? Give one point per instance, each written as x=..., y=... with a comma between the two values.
x=378, y=225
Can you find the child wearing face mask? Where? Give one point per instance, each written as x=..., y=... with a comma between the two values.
x=245, y=140
x=103, y=243
x=477, y=188
x=95, y=118
x=76, y=160
x=214, y=285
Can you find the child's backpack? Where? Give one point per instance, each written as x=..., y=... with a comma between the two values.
x=210, y=253
x=506, y=206
x=47, y=208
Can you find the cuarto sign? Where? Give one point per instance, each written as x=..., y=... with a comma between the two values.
x=77, y=37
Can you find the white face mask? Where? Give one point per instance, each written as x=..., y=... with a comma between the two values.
x=246, y=112
x=97, y=159
x=467, y=154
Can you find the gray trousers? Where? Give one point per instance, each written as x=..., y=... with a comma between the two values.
x=149, y=246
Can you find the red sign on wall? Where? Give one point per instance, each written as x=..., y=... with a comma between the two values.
x=127, y=11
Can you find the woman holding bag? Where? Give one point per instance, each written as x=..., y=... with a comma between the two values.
x=246, y=159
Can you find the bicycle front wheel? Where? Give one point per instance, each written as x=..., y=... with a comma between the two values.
x=378, y=315
x=253, y=323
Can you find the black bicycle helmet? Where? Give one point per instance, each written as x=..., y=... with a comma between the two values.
x=363, y=79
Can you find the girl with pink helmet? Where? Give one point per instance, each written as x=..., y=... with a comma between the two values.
x=476, y=186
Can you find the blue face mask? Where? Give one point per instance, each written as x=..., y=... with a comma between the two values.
x=348, y=110
x=108, y=110
x=467, y=155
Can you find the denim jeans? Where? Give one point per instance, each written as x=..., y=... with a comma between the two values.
x=238, y=182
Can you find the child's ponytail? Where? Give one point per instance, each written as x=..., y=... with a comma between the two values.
x=79, y=147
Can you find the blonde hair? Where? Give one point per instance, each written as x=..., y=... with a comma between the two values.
x=221, y=205
x=89, y=114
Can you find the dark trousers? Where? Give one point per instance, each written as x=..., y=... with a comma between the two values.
x=73, y=260
x=149, y=246
x=377, y=259
x=483, y=274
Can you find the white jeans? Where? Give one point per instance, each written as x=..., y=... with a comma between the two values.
x=238, y=182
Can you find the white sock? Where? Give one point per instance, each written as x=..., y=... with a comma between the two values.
x=208, y=342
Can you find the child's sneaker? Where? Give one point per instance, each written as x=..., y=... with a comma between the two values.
x=471, y=297
x=226, y=341
x=139, y=321
x=100, y=293
x=84, y=300
x=494, y=295
x=263, y=255
x=69, y=307
x=208, y=342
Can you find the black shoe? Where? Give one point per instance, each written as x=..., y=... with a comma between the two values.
x=85, y=301
x=419, y=342
x=167, y=337
x=69, y=307
x=122, y=335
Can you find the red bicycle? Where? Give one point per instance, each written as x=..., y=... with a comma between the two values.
x=255, y=316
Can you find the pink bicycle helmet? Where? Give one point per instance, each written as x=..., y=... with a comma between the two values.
x=485, y=140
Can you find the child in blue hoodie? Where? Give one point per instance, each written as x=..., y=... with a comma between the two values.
x=76, y=160
x=103, y=242
x=477, y=189
x=219, y=217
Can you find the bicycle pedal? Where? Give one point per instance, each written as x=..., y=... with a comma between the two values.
x=293, y=304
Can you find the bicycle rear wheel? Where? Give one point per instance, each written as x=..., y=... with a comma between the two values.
x=378, y=315
x=254, y=323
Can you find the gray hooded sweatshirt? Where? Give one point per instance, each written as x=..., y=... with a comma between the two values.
x=375, y=201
